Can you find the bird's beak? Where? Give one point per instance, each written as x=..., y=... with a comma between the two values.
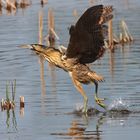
x=26, y=46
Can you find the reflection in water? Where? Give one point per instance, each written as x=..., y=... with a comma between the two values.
x=21, y=112
x=43, y=82
x=82, y=130
x=42, y=77
x=43, y=88
x=41, y=59
x=52, y=69
x=126, y=3
x=78, y=130
x=112, y=63
x=12, y=123
x=91, y=127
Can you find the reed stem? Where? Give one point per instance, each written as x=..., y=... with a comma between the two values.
x=40, y=27
x=110, y=34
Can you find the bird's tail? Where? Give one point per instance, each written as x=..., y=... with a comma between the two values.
x=95, y=77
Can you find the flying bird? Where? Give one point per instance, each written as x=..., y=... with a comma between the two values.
x=86, y=45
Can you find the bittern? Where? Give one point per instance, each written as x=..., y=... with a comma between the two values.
x=86, y=45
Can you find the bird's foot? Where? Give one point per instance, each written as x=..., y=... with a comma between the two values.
x=99, y=101
x=84, y=110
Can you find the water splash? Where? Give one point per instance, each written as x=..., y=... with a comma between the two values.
x=79, y=106
x=118, y=105
x=90, y=110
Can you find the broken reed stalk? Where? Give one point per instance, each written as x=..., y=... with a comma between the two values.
x=50, y=19
x=22, y=106
x=110, y=34
x=125, y=36
x=54, y=33
x=8, y=6
x=75, y=13
x=91, y=2
x=21, y=102
x=40, y=27
x=0, y=7
x=51, y=29
x=43, y=2
x=24, y=3
x=12, y=4
x=15, y=3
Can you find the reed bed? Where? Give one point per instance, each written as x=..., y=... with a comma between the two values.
x=11, y=6
x=51, y=36
x=125, y=36
x=9, y=103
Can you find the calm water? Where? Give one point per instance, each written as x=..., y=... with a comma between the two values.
x=50, y=97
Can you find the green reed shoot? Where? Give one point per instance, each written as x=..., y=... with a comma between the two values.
x=13, y=90
x=7, y=92
x=13, y=86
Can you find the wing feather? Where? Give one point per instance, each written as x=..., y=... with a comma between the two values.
x=86, y=37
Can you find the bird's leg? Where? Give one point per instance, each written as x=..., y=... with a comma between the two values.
x=80, y=89
x=98, y=100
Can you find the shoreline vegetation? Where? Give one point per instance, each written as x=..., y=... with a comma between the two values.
x=9, y=102
x=11, y=6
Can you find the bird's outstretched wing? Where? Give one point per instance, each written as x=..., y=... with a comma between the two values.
x=86, y=37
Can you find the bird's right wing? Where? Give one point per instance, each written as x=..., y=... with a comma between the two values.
x=86, y=37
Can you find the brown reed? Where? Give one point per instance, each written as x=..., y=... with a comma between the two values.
x=75, y=13
x=110, y=35
x=0, y=7
x=43, y=2
x=24, y=3
x=21, y=101
x=8, y=6
x=125, y=36
x=51, y=30
x=40, y=27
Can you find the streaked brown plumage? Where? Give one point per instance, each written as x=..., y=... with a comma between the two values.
x=86, y=45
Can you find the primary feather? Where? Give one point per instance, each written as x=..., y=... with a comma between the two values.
x=86, y=37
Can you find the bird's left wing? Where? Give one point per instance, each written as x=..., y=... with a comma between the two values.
x=86, y=37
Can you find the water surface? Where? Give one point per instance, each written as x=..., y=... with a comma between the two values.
x=50, y=97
